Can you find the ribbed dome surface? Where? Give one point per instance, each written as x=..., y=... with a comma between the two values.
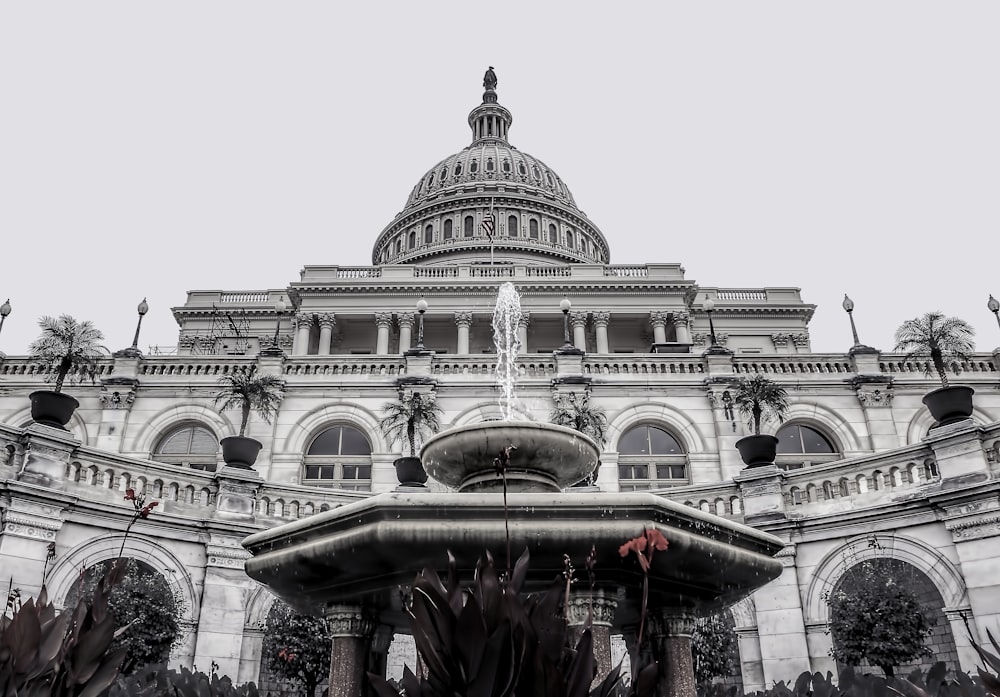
x=490, y=161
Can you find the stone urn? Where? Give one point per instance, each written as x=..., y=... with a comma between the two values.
x=757, y=451
x=240, y=452
x=410, y=471
x=52, y=408
x=950, y=404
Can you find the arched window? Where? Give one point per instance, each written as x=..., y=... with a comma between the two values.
x=512, y=225
x=340, y=456
x=506, y=166
x=489, y=164
x=448, y=233
x=569, y=239
x=552, y=232
x=521, y=169
x=800, y=446
x=469, y=226
x=412, y=239
x=458, y=168
x=474, y=166
x=189, y=445
x=649, y=457
x=444, y=173
x=428, y=234
x=533, y=229
x=534, y=170
x=399, y=245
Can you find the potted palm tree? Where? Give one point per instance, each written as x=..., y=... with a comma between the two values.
x=413, y=416
x=247, y=391
x=575, y=411
x=759, y=399
x=942, y=339
x=68, y=350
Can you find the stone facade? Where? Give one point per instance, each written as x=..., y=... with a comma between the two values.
x=928, y=494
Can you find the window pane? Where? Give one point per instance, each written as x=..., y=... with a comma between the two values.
x=328, y=443
x=814, y=442
x=354, y=443
x=177, y=443
x=312, y=471
x=662, y=443
x=634, y=442
x=357, y=471
x=204, y=442
x=788, y=440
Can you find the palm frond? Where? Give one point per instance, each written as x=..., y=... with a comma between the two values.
x=413, y=417
x=760, y=399
x=68, y=348
x=246, y=389
x=938, y=338
x=576, y=412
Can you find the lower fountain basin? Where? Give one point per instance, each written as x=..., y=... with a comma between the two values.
x=365, y=552
x=547, y=457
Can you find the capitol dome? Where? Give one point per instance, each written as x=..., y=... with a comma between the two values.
x=536, y=220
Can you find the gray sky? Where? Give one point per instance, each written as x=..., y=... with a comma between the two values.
x=151, y=148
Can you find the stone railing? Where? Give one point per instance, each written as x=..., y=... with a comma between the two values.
x=744, y=294
x=289, y=502
x=626, y=271
x=435, y=272
x=643, y=364
x=244, y=297
x=538, y=365
x=980, y=363
x=359, y=272
x=717, y=498
x=194, y=366
x=807, y=364
x=25, y=367
x=346, y=366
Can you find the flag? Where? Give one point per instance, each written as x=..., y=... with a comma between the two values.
x=489, y=223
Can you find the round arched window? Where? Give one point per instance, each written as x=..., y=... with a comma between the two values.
x=650, y=457
x=189, y=445
x=800, y=445
x=340, y=456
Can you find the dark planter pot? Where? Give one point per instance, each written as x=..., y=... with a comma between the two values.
x=409, y=471
x=52, y=408
x=240, y=452
x=950, y=404
x=757, y=451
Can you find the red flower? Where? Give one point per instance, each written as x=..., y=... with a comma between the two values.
x=130, y=494
x=655, y=540
x=148, y=508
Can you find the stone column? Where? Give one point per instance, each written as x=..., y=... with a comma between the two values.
x=603, y=606
x=117, y=396
x=578, y=320
x=383, y=320
x=463, y=320
x=47, y=452
x=785, y=651
x=28, y=541
x=352, y=629
x=327, y=321
x=303, y=325
x=405, y=320
x=751, y=667
x=522, y=332
x=601, y=320
x=681, y=327
x=659, y=321
x=670, y=632
x=223, y=597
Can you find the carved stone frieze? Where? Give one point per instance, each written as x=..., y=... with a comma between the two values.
x=222, y=556
x=975, y=528
x=664, y=624
x=800, y=340
x=581, y=604
x=31, y=527
x=780, y=339
x=874, y=397
x=346, y=621
x=116, y=399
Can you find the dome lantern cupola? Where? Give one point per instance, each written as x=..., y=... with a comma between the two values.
x=490, y=121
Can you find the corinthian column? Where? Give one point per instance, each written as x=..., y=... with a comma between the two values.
x=659, y=321
x=405, y=320
x=601, y=608
x=352, y=631
x=681, y=327
x=463, y=320
x=303, y=325
x=671, y=632
x=579, y=322
x=327, y=321
x=383, y=320
x=601, y=320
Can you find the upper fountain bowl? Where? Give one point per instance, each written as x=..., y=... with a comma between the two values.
x=547, y=457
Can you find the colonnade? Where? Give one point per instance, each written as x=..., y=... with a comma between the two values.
x=304, y=323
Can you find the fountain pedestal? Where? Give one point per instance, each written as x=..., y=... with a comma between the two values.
x=670, y=632
x=352, y=628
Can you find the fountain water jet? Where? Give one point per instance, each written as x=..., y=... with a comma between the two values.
x=506, y=320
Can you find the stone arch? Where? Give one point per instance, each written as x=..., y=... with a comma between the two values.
x=922, y=421
x=828, y=422
x=76, y=426
x=676, y=421
x=257, y=606
x=478, y=414
x=66, y=570
x=315, y=421
x=923, y=557
x=149, y=434
x=744, y=613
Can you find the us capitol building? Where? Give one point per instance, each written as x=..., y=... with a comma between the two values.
x=858, y=456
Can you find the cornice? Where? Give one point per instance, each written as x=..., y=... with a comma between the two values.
x=489, y=287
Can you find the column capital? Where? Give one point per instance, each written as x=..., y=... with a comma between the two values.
x=383, y=319
x=780, y=339
x=580, y=604
x=349, y=621
x=327, y=320
x=578, y=318
x=405, y=319
x=525, y=319
x=671, y=623
x=602, y=318
x=681, y=317
x=463, y=318
x=301, y=319
x=801, y=340
x=658, y=318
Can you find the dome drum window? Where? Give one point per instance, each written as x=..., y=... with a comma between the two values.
x=339, y=457
x=468, y=229
x=512, y=226
x=428, y=234
x=650, y=458
x=448, y=232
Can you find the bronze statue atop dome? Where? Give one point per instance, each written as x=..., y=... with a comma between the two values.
x=490, y=79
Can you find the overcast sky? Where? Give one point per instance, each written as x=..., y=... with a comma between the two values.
x=147, y=149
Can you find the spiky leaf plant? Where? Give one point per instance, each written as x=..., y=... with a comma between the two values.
x=940, y=338
x=760, y=399
x=67, y=349
x=248, y=391
x=412, y=416
x=575, y=411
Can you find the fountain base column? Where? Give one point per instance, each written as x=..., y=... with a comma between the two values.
x=352, y=630
x=670, y=633
x=603, y=606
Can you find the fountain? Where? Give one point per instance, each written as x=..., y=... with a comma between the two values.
x=353, y=561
